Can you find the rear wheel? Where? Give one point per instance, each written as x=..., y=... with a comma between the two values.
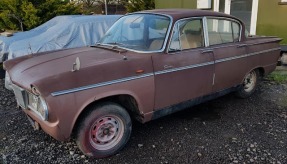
x=249, y=84
x=104, y=130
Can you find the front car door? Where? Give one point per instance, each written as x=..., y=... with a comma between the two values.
x=186, y=72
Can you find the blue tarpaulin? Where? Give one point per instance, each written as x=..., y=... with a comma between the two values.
x=5, y=42
x=58, y=33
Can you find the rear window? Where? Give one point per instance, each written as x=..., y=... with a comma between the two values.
x=222, y=31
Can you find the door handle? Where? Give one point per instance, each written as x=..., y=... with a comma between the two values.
x=167, y=66
x=241, y=45
x=207, y=51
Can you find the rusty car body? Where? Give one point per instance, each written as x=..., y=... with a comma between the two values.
x=149, y=64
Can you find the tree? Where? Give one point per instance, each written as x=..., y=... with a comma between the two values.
x=51, y=8
x=27, y=14
x=139, y=5
x=10, y=17
x=95, y=6
x=131, y=5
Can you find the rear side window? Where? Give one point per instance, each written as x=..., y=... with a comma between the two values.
x=222, y=31
x=187, y=34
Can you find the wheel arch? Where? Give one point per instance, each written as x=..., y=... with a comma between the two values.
x=260, y=70
x=127, y=101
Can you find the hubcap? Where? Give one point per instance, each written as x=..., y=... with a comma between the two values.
x=106, y=132
x=250, y=81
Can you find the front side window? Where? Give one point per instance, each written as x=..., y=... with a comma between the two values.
x=187, y=34
x=140, y=32
x=222, y=31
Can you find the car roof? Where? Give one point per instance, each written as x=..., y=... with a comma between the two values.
x=184, y=13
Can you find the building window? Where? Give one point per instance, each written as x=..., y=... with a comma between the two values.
x=282, y=2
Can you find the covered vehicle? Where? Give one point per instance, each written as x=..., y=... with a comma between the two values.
x=149, y=64
x=5, y=42
x=69, y=32
x=59, y=33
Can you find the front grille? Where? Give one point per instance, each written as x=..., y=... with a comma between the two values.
x=21, y=96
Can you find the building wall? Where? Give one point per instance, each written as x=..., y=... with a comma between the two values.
x=189, y=4
x=272, y=19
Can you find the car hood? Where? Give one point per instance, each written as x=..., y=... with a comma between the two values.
x=52, y=71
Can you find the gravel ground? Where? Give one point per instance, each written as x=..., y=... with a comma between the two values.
x=225, y=130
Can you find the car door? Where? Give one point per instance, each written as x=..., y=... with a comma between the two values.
x=228, y=49
x=186, y=72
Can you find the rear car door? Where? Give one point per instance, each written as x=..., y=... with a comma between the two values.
x=224, y=39
x=186, y=72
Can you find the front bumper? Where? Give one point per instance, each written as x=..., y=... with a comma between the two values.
x=52, y=128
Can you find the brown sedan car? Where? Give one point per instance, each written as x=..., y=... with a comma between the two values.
x=148, y=65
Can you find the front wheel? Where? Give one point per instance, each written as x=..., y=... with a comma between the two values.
x=249, y=84
x=104, y=130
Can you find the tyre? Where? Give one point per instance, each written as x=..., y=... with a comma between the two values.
x=249, y=84
x=104, y=130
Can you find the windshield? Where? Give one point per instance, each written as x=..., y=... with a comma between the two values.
x=139, y=32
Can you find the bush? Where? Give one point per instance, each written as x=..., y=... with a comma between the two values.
x=27, y=14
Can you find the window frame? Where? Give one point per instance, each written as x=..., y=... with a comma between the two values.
x=227, y=19
x=176, y=26
x=205, y=31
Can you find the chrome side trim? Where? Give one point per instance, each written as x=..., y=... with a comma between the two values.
x=100, y=84
x=246, y=55
x=58, y=93
x=183, y=68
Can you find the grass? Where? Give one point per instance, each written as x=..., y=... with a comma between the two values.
x=278, y=76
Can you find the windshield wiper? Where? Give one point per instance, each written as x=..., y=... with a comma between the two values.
x=110, y=46
x=116, y=44
x=173, y=49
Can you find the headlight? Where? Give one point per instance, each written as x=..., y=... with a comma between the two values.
x=38, y=105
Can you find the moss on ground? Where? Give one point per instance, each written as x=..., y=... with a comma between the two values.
x=278, y=76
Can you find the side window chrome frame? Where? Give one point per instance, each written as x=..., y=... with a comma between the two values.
x=205, y=31
x=176, y=25
x=221, y=18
